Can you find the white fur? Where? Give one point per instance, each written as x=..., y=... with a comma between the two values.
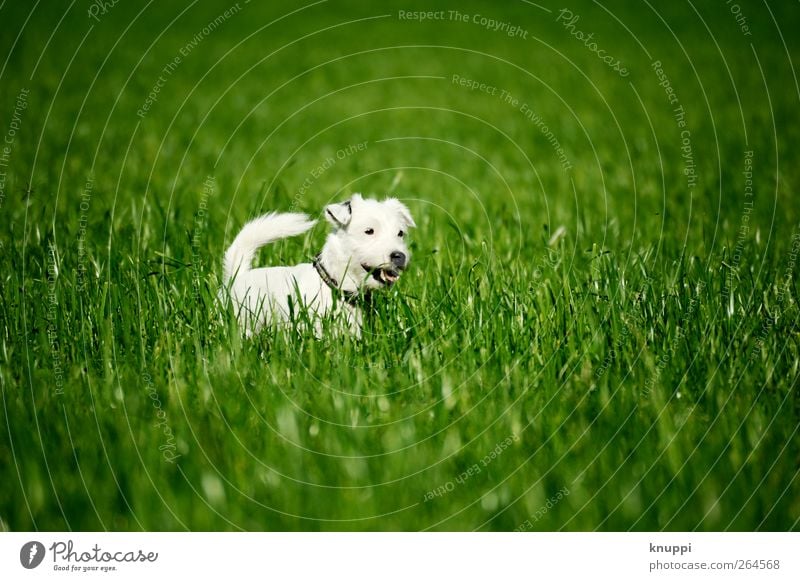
x=262, y=295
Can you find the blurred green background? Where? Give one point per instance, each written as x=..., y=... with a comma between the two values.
x=599, y=329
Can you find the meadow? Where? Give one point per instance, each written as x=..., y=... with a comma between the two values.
x=598, y=329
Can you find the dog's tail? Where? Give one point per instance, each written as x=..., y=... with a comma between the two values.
x=256, y=234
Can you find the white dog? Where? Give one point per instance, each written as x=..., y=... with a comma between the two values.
x=366, y=250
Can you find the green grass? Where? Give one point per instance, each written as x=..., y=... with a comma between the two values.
x=641, y=369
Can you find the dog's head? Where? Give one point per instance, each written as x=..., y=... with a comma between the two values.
x=368, y=243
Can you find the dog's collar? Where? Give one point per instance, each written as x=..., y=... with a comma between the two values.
x=352, y=298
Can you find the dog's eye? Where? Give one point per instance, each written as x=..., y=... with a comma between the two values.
x=401, y=234
x=369, y=231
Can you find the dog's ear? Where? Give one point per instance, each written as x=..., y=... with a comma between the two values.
x=405, y=214
x=339, y=215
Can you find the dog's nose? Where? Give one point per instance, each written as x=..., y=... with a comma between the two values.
x=398, y=259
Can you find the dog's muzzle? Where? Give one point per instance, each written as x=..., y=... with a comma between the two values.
x=398, y=259
x=386, y=275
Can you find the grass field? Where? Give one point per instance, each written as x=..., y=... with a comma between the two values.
x=598, y=331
